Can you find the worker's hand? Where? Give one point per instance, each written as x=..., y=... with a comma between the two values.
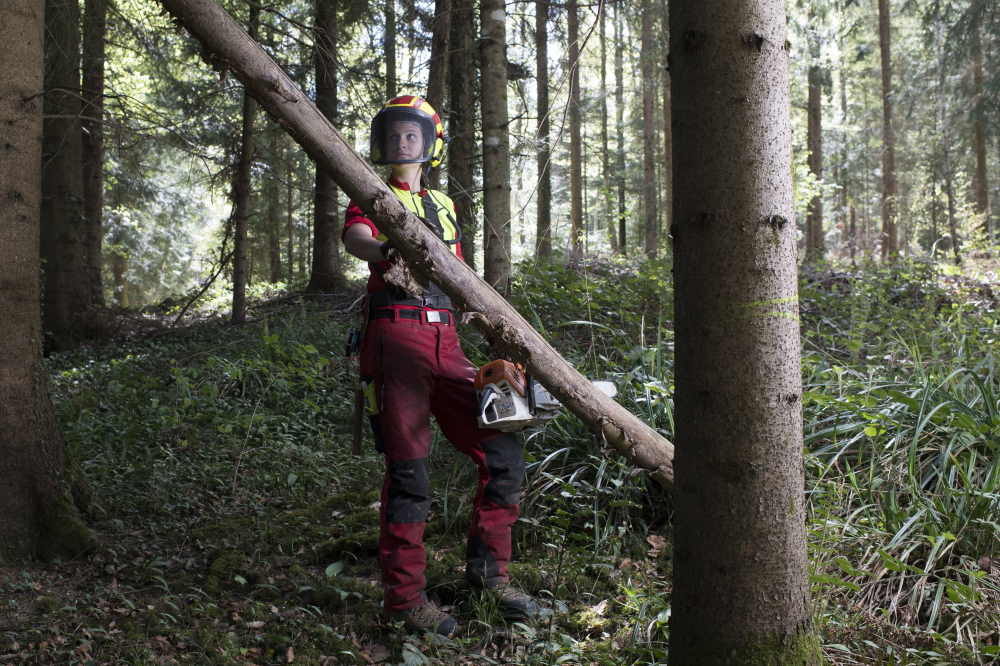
x=388, y=251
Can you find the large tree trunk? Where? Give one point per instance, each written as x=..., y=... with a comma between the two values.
x=979, y=133
x=241, y=194
x=620, y=128
x=327, y=273
x=38, y=518
x=437, y=75
x=814, y=217
x=575, y=142
x=92, y=122
x=64, y=248
x=462, y=124
x=427, y=256
x=741, y=592
x=543, y=226
x=890, y=243
x=649, y=53
x=496, y=144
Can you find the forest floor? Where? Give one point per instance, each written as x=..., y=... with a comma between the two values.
x=237, y=527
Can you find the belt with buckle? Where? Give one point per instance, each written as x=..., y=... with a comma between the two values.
x=429, y=316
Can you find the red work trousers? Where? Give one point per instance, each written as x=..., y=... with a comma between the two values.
x=416, y=368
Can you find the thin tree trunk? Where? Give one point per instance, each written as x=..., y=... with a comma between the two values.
x=949, y=191
x=428, y=257
x=462, y=124
x=620, y=127
x=290, y=214
x=438, y=74
x=543, y=226
x=274, y=210
x=741, y=590
x=241, y=193
x=890, y=243
x=979, y=131
x=649, y=51
x=814, y=217
x=496, y=145
x=668, y=175
x=327, y=272
x=38, y=518
x=92, y=122
x=391, y=86
x=64, y=247
x=608, y=204
x=575, y=157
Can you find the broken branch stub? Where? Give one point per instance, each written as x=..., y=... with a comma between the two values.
x=427, y=257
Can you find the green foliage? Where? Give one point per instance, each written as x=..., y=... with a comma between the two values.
x=237, y=526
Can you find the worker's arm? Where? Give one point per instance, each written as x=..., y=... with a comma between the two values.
x=359, y=241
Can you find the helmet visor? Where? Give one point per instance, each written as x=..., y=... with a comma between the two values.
x=401, y=136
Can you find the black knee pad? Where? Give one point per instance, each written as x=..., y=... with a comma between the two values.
x=409, y=498
x=506, y=467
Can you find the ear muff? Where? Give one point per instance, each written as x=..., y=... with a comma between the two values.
x=437, y=156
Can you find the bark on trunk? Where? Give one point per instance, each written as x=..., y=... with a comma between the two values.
x=38, y=517
x=620, y=126
x=274, y=209
x=327, y=272
x=64, y=240
x=979, y=133
x=427, y=255
x=92, y=122
x=438, y=74
x=290, y=213
x=462, y=122
x=741, y=592
x=890, y=244
x=241, y=195
x=608, y=211
x=543, y=225
x=575, y=143
x=814, y=217
x=390, y=49
x=496, y=144
x=649, y=51
x=668, y=170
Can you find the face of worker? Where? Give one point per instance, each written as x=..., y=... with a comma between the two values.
x=404, y=141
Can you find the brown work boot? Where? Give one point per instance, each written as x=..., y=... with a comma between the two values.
x=426, y=617
x=514, y=603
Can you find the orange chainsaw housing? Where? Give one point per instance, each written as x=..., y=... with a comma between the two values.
x=499, y=371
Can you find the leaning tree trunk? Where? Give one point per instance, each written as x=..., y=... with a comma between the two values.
x=543, y=225
x=92, y=122
x=496, y=144
x=327, y=274
x=649, y=51
x=462, y=124
x=575, y=143
x=39, y=520
x=741, y=591
x=428, y=257
x=64, y=241
x=890, y=243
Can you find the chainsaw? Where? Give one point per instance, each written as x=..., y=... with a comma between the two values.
x=511, y=400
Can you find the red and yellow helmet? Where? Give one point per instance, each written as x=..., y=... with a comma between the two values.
x=407, y=109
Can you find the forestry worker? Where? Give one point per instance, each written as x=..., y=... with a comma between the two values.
x=412, y=367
